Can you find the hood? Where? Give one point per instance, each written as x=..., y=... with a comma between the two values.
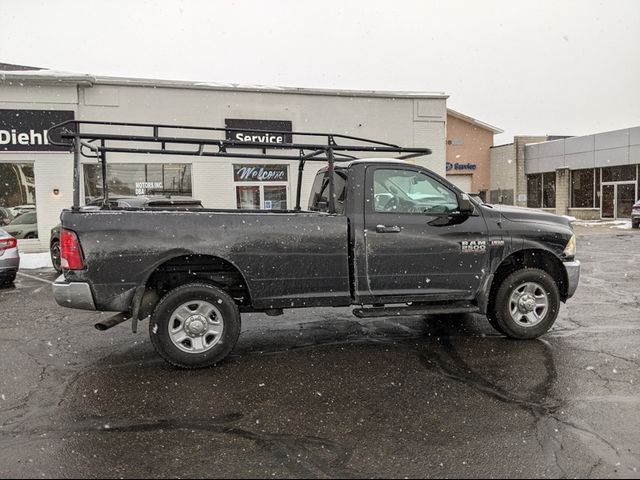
x=523, y=214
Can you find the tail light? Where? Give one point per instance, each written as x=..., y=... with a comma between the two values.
x=70, y=253
x=7, y=243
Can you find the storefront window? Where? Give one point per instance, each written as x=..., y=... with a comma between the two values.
x=549, y=190
x=541, y=190
x=534, y=190
x=619, y=174
x=582, y=188
x=18, y=200
x=133, y=179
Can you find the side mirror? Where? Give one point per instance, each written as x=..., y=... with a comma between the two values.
x=464, y=205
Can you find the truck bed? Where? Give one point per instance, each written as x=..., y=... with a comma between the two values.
x=287, y=259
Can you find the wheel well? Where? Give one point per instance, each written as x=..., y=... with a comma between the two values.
x=194, y=268
x=540, y=259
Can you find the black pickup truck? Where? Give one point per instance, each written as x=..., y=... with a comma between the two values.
x=384, y=235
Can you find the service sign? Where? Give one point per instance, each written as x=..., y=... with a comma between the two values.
x=26, y=130
x=278, y=131
x=461, y=166
x=260, y=173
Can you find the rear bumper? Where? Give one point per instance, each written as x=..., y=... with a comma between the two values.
x=73, y=294
x=573, y=276
x=9, y=263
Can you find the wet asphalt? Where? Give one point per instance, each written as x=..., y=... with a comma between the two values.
x=319, y=393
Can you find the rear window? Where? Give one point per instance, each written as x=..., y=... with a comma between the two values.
x=319, y=200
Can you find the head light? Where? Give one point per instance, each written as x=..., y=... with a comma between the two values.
x=570, y=249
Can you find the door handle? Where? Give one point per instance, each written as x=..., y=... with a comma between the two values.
x=388, y=229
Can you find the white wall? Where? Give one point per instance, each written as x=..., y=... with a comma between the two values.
x=401, y=120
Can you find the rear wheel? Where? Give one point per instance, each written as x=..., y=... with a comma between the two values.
x=55, y=255
x=526, y=305
x=195, y=326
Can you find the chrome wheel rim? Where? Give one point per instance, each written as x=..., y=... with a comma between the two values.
x=529, y=304
x=196, y=326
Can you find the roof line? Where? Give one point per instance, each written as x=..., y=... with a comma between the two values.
x=52, y=76
x=469, y=119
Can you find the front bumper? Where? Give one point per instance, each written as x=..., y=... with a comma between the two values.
x=573, y=276
x=73, y=294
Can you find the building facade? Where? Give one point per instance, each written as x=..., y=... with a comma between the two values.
x=588, y=177
x=37, y=178
x=508, y=179
x=469, y=143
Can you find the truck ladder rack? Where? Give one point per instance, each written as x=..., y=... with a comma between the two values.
x=94, y=139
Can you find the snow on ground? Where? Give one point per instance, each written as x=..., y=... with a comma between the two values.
x=31, y=261
x=621, y=224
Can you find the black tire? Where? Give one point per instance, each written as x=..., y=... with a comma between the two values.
x=493, y=322
x=8, y=279
x=635, y=224
x=164, y=314
x=501, y=315
x=55, y=255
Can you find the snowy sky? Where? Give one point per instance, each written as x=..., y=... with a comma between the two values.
x=536, y=67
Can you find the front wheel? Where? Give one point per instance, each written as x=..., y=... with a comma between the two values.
x=526, y=305
x=195, y=326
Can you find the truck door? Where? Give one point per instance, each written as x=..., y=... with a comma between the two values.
x=418, y=247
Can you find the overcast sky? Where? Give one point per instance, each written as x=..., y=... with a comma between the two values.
x=538, y=67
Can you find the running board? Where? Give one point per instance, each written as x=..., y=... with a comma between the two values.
x=415, y=310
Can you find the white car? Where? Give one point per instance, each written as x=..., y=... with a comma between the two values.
x=9, y=258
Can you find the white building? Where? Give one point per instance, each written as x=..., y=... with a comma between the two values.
x=33, y=172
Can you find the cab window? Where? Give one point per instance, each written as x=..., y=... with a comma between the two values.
x=319, y=201
x=406, y=191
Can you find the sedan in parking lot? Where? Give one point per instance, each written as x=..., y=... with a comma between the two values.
x=23, y=226
x=9, y=258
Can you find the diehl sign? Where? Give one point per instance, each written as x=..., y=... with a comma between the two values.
x=260, y=173
x=278, y=131
x=26, y=130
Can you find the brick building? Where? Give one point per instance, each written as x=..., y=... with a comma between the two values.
x=468, y=152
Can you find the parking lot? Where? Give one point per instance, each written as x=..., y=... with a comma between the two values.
x=319, y=393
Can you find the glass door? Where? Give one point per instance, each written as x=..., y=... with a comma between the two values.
x=608, y=205
x=617, y=199
x=261, y=197
x=625, y=198
x=248, y=197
